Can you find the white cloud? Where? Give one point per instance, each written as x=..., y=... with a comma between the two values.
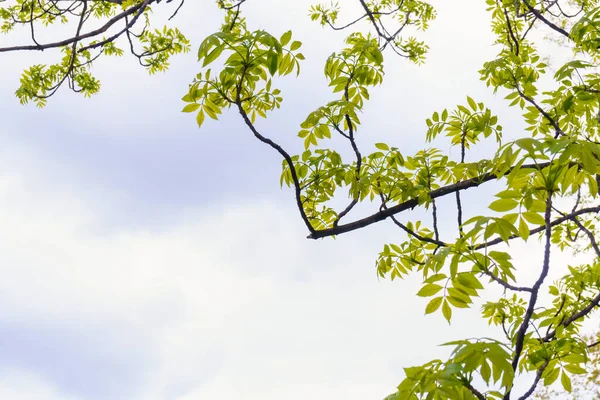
x=227, y=302
x=22, y=385
x=230, y=300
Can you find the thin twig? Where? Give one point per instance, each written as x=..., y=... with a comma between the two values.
x=177, y=10
x=339, y=28
x=544, y=20
x=416, y=235
x=506, y=284
x=554, y=124
x=538, y=376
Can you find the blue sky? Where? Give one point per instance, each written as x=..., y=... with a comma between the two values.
x=144, y=259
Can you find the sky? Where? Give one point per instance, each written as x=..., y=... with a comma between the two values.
x=145, y=259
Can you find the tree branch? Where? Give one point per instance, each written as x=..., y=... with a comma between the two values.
x=282, y=152
x=538, y=376
x=340, y=28
x=590, y=236
x=350, y=137
x=554, y=124
x=580, y=314
x=128, y=25
x=510, y=31
x=238, y=4
x=475, y=392
x=557, y=221
x=541, y=17
x=412, y=203
x=596, y=343
x=506, y=284
x=416, y=235
x=520, y=337
x=78, y=38
x=372, y=18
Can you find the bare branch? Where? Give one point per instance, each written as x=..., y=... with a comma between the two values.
x=345, y=211
x=177, y=10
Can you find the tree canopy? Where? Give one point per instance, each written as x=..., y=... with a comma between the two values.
x=548, y=177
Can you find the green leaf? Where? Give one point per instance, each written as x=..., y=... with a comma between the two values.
x=537, y=206
x=585, y=97
x=200, y=118
x=565, y=381
x=295, y=45
x=472, y=103
x=382, y=146
x=446, y=311
x=435, y=278
x=457, y=302
x=502, y=205
x=551, y=376
x=485, y=372
x=568, y=103
x=285, y=38
x=464, y=109
x=433, y=305
x=533, y=218
x=592, y=185
x=213, y=55
x=469, y=280
x=575, y=369
x=454, y=265
x=523, y=229
x=429, y=290
x=190, y=108
x=272, y=61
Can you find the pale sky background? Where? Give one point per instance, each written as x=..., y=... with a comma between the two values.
x=144, y=259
